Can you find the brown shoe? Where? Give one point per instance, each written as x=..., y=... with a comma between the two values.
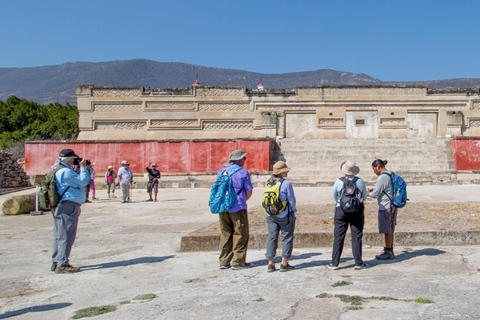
x=66, y=268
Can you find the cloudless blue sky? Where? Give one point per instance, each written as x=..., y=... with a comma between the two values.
x=391, y=40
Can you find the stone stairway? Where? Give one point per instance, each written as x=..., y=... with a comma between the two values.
x=316, y=162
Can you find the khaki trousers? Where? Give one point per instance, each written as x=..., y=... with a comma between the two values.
x=234, y=237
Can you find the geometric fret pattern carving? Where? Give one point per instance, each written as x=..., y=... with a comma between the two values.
x=120, y=126
x=174, y=122
x=228, y=125
x=170, y=105
x=115, y=92
x=474, y=123
x=330, y=121
x=219, y=92
x=392, y=120
x=475, y=105
x=326, y=91
x=133, y=107
x=223, y=107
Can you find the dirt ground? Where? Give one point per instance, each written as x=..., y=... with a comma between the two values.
x=417, y=216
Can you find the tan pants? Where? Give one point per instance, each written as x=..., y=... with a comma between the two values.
x=234, y=237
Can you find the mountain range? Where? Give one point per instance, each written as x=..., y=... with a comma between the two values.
x=57, y=83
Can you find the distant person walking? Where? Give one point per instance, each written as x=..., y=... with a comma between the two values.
x=92, y=180
x=110, y=178
x=387, y=213
x=234, y=226
x=153, y=177
x=88, y=165
x=284, y=222
x=349, y=193
x=65, y=215
x=125, y=179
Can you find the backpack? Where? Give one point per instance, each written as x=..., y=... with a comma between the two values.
x=349, y=201
x=222, y=194
x=399, y=190
x=48, y=196
x=271, y=202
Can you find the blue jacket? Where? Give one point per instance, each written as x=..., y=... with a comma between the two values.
x=77, y=182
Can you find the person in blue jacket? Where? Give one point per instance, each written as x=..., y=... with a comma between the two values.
x=65, y=215
x=284, y=222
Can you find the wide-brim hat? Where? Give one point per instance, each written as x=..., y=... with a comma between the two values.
x=125, y=162
x=110, y=167
x=237, y=155
x=349, y=168
x=280, y=167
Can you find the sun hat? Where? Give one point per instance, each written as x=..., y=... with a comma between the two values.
x=154, y=165
x=124, y=162
x=349, y=168
x=110, y=167
x=237, y=155
x=280, y=167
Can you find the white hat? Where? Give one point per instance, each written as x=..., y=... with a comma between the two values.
x=349, y=168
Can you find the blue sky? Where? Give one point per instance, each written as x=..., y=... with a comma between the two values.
x=405, y=40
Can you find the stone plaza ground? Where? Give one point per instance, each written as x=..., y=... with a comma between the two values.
x=129, y=250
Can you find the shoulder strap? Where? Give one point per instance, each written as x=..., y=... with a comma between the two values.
x=54, y=172
x=235, y=170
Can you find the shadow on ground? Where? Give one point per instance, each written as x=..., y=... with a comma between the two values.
x=45, y=307
x=125, y=263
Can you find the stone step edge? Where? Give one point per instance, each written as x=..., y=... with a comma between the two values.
x=210, y=242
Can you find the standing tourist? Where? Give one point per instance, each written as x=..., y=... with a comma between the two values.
x=66, y=213
x=283, y=222
x=153, y=177
x=110, y=178
x=88, y=165
x=125, y=179
x=234, y=223
x=92, y=180
x=387, y=213
x=349, y=193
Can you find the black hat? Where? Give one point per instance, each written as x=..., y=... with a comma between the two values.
x=67, y=153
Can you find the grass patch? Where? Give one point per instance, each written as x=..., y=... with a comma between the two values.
x=124, y=302
x=193, y=280
x=341, y=284
x=146, y=296
x=259, y=300
x=423, y=300
x=93, y=311
x=354, y=300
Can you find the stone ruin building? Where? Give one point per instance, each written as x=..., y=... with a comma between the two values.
x=428, y=135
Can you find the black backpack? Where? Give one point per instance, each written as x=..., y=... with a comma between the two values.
x=349, y=201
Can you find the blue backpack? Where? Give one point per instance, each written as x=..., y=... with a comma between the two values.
x=399, y=190
x=222, y=194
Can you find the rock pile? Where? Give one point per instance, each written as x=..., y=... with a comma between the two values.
x=12, y=174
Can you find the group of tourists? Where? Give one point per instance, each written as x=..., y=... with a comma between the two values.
x=349, y=194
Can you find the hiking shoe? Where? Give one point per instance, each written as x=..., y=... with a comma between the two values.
x=271, y=268
x=155, y=200
x=332, y=267
x=223, y=267
x=244, y=266
x=360, y=266
x=66, y=268
x=149, y=200
x=286, y=268
x=53, y=267
x=386, y=255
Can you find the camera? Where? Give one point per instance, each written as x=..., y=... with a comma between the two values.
x=77, y=161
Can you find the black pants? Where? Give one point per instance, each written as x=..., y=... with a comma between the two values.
x=342, y=220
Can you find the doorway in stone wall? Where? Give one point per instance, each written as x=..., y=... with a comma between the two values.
x=300, y=125
x=361, y=124
x=422, y=125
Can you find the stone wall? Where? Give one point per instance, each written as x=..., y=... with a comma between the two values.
x=323, y=112
x=12, y=173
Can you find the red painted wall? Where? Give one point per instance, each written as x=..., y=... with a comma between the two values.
x=172, y=157
x=466, y=153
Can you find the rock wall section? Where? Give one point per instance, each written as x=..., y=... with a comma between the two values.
x=12, y=173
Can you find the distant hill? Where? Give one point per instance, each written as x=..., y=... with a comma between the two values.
x=57, y=83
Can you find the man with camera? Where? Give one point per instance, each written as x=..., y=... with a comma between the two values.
x=71, y=185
